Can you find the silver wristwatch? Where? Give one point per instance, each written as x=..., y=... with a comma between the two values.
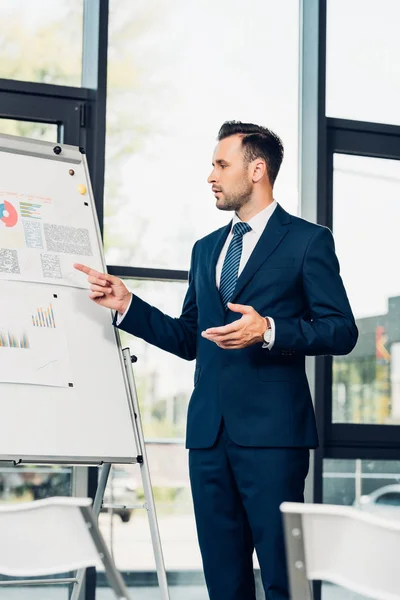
x=267, y=334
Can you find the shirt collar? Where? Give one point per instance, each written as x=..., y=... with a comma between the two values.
x=259, y=221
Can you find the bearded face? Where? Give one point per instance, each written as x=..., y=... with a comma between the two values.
x=230, y=178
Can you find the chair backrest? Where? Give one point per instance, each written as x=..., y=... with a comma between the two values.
x=342, y=545
x=45, y=537
x=50, y=536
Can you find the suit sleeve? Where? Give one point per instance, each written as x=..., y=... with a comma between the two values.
x=175, y=335
x=329, y=328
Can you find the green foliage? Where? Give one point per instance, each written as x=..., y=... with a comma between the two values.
x=169, y=500
x=48, y=51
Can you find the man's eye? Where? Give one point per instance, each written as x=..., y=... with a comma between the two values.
x=223, y=166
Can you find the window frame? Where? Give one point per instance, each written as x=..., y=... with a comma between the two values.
x=352, y=439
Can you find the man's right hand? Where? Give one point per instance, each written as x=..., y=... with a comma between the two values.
x=106, y=290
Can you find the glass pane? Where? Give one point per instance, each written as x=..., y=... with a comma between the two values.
x=164, y=381
x=362, y=484
x=29, y=129
x=29, y=482
x=165, y=107
x=127, y=531
x=366, y=484
x=41, y=41
x=164, y=384
x=363, y=47
x=366, y=217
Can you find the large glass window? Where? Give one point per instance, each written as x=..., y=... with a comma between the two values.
x=164, y=381
x=41, y=41
x=366, y=214
x=39, y=131
x=177, y=70
x=363, y=47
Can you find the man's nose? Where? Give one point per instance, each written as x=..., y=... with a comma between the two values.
x=211, y=177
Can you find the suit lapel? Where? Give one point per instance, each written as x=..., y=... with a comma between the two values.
x=273, y=234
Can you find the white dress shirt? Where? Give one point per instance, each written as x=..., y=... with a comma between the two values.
x=250, y=239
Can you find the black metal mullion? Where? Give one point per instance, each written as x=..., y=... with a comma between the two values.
x=147, y=273
x=365, y=452
x=365, y=143
x=65, y=113
x=94, y=76
x=358, y=434
x=30, y=88
x=72, y=127
x=22, y=107
x=363, y=126
x=322, y=166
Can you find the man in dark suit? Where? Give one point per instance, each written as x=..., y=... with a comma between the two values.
x=264, y=292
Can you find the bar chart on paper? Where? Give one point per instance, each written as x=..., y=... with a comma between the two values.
x=30, y=210
x=44, y=318
x=9, y=339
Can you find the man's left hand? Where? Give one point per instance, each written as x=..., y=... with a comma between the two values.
x=247, y=330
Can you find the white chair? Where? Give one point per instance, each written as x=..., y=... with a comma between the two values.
x=343, y=545
x=52, y=536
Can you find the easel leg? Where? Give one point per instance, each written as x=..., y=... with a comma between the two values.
x=154, y=531
x=98, y=500
x=148, y=491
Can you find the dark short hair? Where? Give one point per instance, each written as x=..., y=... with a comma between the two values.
x=257, y=142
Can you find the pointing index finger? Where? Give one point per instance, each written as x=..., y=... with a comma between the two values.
x=82, y=268
x=93, y=273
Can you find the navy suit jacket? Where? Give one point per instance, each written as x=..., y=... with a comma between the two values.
x=263, y=396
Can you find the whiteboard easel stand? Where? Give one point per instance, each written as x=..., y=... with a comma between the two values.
x=26, y=152
x=148, y=491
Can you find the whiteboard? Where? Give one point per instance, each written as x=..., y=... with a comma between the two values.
x=64, y=395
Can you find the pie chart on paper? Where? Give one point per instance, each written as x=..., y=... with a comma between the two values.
x=8, y=214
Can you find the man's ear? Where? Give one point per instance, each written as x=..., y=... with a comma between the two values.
x=259, y=170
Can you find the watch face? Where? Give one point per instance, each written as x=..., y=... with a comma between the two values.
x=267, y=336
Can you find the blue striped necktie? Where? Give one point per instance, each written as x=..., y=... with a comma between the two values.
x=231, y=264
